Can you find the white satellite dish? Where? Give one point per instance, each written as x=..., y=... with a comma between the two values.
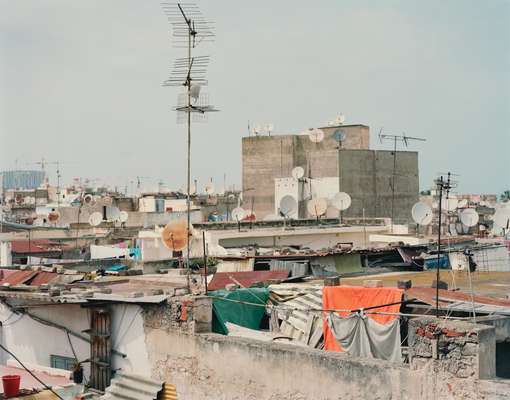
x=422, y=213
x=340, y=119
x=502, y=218
x=462, y=203
x=317, y=207
x=123, y=216
x=469, y=217
x=194, y=92
x=209, y=188
x=298, y=172
x=95, y=218
x=288, y=205
x=238, y=214
x=449, y=204
x=89, y=200
x=316, y=135
x=341, y=201
x=112, y=213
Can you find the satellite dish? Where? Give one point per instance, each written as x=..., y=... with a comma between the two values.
x=298, y=172
x=209, y=188
x=502, y=218
x=469, y=217
x=341, y=201
x=340, y=119
x=175, y=235
x=422, y=213
x=288, y=205
x=462, y=203
x=317, y=207
x=88, y=200
x=53, y=217
x=339, y=135
x=95, y=218
x=112, y=213
x=123, y=216
x=19, y=199
x=449, y=204
x=194, y=92
x=316, y=135
x=238, y=214
x=107, y=201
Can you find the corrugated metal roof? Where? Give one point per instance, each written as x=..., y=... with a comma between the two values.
x=35, y=246
x=246, y=279
x=29, y=277
x=132, y=387
x=169, y=392
x=460, y=301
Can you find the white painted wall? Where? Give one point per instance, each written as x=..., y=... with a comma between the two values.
x=5, y=254
x=34, y=342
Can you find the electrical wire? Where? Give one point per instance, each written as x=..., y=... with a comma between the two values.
x=30, y=372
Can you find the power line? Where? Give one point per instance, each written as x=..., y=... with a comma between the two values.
x=30, y=372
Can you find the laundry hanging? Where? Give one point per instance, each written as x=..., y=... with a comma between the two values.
x=361, y=336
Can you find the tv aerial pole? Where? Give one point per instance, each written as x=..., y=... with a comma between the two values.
x=405, y=142
x=189, y=29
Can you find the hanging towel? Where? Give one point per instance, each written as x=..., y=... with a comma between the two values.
x=356, y=297
x=361, y=336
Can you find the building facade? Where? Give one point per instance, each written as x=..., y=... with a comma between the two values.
x=352, y=167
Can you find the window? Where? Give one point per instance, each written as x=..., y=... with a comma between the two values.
x=61, y=362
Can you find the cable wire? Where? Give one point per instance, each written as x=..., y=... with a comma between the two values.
x=30, y=372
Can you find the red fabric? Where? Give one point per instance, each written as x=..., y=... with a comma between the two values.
x=353, y=298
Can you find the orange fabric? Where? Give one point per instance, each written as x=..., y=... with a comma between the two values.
x=355, y=297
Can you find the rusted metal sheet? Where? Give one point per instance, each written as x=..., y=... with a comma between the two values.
x=18, y=277
x=246, y=279
x=43, y=278
x=169, y=392
x=35, y=246
x=130, y=386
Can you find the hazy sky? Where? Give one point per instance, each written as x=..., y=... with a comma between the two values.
x=80, y=82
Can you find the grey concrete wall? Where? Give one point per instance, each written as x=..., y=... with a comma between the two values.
x=365, y=174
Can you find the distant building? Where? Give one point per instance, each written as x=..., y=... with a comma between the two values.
x=365, y=174
x=22, y=180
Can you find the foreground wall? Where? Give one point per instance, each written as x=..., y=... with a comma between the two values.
x=210, y=366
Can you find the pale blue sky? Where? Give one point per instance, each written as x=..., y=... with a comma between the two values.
x=80, y=82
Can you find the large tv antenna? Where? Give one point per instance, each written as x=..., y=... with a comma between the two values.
x=189, y=30
x=405, y=142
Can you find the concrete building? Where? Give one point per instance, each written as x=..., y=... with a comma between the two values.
x=354, y=168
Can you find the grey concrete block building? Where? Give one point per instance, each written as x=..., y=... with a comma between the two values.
x=363, y=173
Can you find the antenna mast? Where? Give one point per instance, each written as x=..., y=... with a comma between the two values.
x=189, y=29
x=405, y=142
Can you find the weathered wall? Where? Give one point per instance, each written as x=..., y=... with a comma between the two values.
x=210, y=366
x=365, y=174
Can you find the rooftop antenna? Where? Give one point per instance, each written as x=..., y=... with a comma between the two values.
x=442, y=186
x=189, y=29
x=405, y=142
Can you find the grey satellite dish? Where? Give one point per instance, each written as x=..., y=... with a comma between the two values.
x=95, y=218
x=288, y=205
x=238, y=213
x=469, y=217
x=298, y=172
x=112, y=213
x=422, y=213
x=462, y=203
x=341, y=201
x=339, y=135
x=317, y=207
x=502, y=218
x=123, y=216
x=316, y=135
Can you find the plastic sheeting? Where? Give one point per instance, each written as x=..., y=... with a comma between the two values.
x=227, y=308
x=354, y=298
x=361, y=336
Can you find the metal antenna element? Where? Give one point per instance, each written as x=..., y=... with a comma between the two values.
x=189, y=29
x=405, y=142
x=442, y=186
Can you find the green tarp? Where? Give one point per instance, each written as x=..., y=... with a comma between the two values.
x=246, y=315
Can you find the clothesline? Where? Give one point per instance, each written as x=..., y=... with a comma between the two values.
x=283, y=307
